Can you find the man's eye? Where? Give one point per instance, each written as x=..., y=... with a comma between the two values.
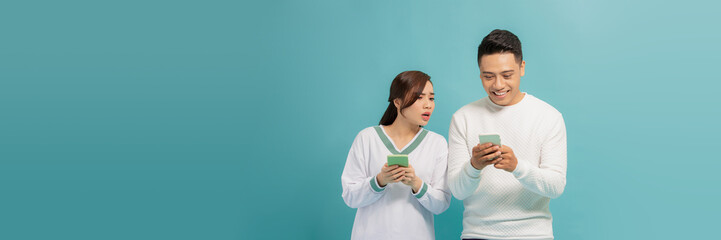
x=507, y=76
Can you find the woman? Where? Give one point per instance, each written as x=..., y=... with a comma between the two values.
x=397, y=202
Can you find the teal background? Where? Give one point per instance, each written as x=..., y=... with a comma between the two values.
x=233, y=119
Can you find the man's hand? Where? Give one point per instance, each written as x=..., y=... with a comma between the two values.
x=389, y=175
x=484, y=155
x=508, y=159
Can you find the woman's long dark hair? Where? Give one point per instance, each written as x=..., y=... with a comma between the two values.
x=407, y=86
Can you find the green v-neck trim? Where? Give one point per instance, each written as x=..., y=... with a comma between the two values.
x=390, y=146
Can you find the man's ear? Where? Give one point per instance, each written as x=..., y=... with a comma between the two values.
x=523, y=68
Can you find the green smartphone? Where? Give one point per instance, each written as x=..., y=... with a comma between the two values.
x=491, y=138
x=398, y=159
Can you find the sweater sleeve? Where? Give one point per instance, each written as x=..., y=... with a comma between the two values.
x=549, y=177
x=434, y=194
x=463, y=178
x=360, y=189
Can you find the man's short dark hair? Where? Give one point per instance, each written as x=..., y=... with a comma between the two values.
x=500, y=41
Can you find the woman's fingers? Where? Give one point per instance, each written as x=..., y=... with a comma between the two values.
x=397, y=176
x=387, y=168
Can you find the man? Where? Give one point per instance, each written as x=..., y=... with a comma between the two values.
x=506, y=189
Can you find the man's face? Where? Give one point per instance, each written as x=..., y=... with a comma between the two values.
x=501, y=77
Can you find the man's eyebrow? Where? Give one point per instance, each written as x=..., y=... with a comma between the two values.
x=507, y=71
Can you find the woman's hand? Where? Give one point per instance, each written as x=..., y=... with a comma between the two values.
x=409, y=178
x=389, y=175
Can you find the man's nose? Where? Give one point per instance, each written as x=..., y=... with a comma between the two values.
x=498, y=84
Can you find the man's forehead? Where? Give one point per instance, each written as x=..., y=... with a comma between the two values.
x=499, y=68
x=498, y=62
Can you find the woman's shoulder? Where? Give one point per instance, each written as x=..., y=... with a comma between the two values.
x=367, y=132
x=435, y=137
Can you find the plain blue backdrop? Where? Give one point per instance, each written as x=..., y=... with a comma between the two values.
x=233, y=119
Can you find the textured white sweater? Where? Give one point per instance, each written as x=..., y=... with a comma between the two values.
x=394, y=212
x=499, y=204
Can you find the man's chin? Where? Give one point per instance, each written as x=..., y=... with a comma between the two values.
x=501, y=102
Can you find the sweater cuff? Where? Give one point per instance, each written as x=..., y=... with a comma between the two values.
x=471, y=171
x=374, y=185
x=421, y=191
x=521, y=170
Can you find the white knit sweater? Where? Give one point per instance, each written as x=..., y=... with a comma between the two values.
x=499, y=204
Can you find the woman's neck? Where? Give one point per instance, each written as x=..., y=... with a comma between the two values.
x=402, y=129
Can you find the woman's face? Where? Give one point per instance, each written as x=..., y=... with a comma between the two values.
x=419, y=113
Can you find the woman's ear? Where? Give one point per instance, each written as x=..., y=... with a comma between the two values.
x=397, y=102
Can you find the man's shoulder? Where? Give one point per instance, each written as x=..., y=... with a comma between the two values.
x=474, y=106
x=542, y=107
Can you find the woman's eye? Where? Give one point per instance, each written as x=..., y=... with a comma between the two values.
x=433, y=99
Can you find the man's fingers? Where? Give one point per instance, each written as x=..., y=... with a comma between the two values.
x=499, y=165
x=498, y=154
x=506, y=149
x=486, y=151
x=481, y=147
x=476, y=149
x=491, y=156
x=490, y=150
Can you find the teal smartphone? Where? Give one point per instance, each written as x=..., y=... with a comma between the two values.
x=399, y=159
x=491, y=138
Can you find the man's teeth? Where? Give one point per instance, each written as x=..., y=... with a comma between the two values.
x=500, y=93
